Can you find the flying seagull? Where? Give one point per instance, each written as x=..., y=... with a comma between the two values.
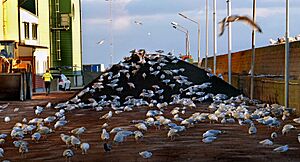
x=234, y=18
x=100, y=42
x=138, y=22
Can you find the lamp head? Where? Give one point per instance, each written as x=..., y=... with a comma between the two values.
x=174, y=23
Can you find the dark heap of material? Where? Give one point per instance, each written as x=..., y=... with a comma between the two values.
x=193, y=73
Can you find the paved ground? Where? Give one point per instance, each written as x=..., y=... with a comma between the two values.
x=235, y=145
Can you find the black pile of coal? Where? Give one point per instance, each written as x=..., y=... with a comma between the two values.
x=155, y=77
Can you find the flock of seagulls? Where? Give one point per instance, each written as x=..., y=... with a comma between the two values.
x=281, y=40
x=150, y=80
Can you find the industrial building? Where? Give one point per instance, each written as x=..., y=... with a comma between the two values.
x=36, y=35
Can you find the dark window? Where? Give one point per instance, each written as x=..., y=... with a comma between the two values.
x=29, y=5
x=26, y=30
x=34, y=31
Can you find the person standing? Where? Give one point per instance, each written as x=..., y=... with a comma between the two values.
x=47, y=77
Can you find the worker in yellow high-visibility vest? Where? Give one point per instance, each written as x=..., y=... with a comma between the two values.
x=47, y=77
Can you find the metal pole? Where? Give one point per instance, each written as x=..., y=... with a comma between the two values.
x=253, y=53
x=199, y=60
x=186, y=31
x=206, y=50
x=111, y=32
x=215, y=34
x=198, y=26
x=188, y=43
x=229, y=41
x=287, y=48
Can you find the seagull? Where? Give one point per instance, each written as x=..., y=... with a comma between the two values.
x=116, y=130
x=209, y=139
x=104, y=135
x=38, y=110
x=141, y=126
x=146, y=154
x=48, y=105
x=172, y=133
x=234, y=18
x=138, y=135
x=66, y=139
x=211, y=133
x=60, y=123
x=4, y=106
x=36, y=136
x=266, y=142
x=281, y=148
x=16, y=109
x=23, y=148
x=107, y=116
x=78, y=131
x=273, y=42
x=286, y=128
x=297, y=120
x=75, y=141
x=107, y=147
x=2, y=141
x=49, y=119
x=1, y=152
x=68, y=153
x=252, y=129
x=84, y=147
x=138, y=22
x=274, y=135
x=19, y=143
x=104, y=125
x=100, y=42
x=7, y=119
x=3, y=135
x=131, y=85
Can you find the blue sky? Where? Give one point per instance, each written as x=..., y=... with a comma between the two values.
x=157, y=32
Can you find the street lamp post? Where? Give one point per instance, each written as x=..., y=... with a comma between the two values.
x=215, y=34
x=206, y=49
x=287, y=48
x=253, y=53
x=198, y=26
x=187, y=40
x=111, y=32
x=229, y=41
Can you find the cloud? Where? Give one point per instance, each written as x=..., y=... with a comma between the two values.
x=121, y=23
x=95, y=21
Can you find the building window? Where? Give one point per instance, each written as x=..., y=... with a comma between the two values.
x=26, y=30
x=34, y=31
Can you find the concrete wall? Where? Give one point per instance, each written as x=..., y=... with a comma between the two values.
x=76, y=34
x=269, y=60
x=10, y=20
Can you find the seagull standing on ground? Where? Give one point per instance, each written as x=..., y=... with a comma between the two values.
x=234, y=18
x=146, y=154
x=107, y=147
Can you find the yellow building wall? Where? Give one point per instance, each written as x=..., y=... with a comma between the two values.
x=44, y=27
x=10, y=22
x=1, y=21
x=76, y=33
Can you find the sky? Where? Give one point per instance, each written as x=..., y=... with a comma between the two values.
x=157, y=33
